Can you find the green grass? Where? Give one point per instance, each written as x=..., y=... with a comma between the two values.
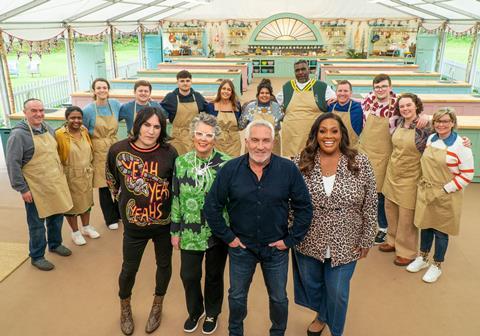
x=55, y=64
x=457, y=49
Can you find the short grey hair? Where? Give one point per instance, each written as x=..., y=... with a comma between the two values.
x=206, y=119
x=256, y=123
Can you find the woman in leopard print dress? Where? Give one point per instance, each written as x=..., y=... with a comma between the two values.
x=342, y=187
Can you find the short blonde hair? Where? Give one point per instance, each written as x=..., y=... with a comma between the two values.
x=450, y=111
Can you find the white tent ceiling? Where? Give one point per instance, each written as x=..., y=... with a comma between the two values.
x=88, y=11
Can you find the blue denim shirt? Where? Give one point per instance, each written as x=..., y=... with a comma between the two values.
x=258, y=209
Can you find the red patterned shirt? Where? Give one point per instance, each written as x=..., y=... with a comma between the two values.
x=381, y=109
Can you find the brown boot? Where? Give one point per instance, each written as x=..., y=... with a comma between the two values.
x=155, y=315
x=126, y=319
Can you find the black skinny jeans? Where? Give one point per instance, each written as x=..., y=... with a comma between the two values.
x=191, y=274
x=109, y=206
x=133, y=248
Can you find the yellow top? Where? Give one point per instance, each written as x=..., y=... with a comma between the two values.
x=63, y=140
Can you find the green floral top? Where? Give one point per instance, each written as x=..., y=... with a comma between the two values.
x=192, y=179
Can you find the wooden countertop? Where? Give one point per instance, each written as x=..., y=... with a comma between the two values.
x=125, y=93
x=464, y=122
x=218, y=64
x=393, y=66
x=192, y=71
x=413, y=82
x=56, y=115
x=360, y=60
x=374, y=73
x=444, y=98
x=160, y=80
x=206, y=59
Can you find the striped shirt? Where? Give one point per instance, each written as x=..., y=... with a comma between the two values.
x=459, y=160
x=385, y=110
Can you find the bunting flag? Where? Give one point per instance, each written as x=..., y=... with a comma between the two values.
x=22, y=47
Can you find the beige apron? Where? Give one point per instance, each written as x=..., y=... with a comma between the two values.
x=261, y=114
x=435, y=208
x=229, y=140
x=45, y=178
x=403, y=170
x=79, y=173
x=376, y=142
x=300, y=114
x=345, y=116
x=104, y=135
x=182, y=140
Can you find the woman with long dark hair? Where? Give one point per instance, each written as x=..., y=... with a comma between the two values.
x=139, y=174
x=342, y=188
x=264, y=107
x=226, y=108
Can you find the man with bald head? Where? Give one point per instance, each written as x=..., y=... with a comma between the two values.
x=35, y=171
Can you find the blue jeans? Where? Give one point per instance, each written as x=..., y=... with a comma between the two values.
x=274, y=264
x=381, y=216
x=441, y=243
x=323, y=288
x=36, y=229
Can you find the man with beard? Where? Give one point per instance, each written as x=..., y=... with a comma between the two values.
x=258, y=189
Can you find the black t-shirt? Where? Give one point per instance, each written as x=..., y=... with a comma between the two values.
x=142, y=179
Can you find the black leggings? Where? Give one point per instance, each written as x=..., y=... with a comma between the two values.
x=133, y=248
x=109, y=206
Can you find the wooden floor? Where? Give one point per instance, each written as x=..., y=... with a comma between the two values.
x=80, y=296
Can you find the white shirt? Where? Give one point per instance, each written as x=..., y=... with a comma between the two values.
x=328, y=182
x=329, y=93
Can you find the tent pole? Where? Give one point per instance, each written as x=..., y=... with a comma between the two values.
x=111, y=48
x=72, y=73
x=472, y=58
x=441, y=48
x=8, y=101
x=141, y=55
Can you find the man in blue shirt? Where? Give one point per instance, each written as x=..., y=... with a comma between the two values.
x=143, y=92
x=350, y=111
x=258, y=189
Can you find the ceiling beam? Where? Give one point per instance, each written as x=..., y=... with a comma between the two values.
x=416, y=8
x=135, y=10
x=457, y=10
x=107, y=3
x=21, y=9
x=145, y=18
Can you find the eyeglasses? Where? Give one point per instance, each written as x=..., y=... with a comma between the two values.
x=202, y=135
x=382, y=87
x=443, y=122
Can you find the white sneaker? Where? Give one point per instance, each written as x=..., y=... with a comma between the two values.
x=90, y=231
x=113, y=226
x=432, y=274
x=417, y=265
x=78, y=238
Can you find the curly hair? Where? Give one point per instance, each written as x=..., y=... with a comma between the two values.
x=307, y=156
x=416, y=100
